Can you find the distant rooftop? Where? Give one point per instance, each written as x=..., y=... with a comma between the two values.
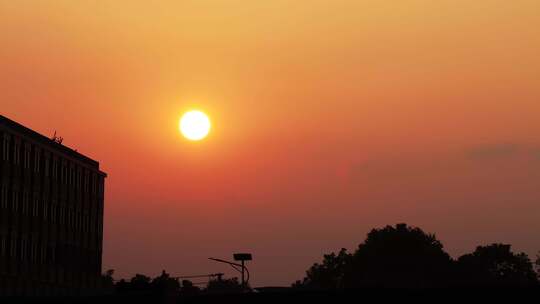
x=46, y=141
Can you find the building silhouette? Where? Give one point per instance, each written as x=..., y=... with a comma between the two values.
x=51, y=216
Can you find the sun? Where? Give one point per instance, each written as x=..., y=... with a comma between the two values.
x=194, y=125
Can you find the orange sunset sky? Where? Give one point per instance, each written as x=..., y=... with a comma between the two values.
x=329, y=118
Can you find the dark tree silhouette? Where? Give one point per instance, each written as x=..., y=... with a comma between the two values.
x=122, y=286
x=140, y=282
x=188, y=289
x=496, y=265
x=328, y=274
x=226, y=286
x=399, y=256
x=107, y=281
x=537, y=265
x=165, y=284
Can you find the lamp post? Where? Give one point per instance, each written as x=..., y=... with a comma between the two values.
x=242, y=258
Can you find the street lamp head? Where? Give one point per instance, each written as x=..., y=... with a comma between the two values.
x=242, y=256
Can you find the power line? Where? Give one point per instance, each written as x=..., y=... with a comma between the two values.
x=218, y=275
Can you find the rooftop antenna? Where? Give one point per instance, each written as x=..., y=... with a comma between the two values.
x=57, y=139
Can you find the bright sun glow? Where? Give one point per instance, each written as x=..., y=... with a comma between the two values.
x=195, y=125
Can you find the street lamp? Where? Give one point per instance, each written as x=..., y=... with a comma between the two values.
x=242, y=258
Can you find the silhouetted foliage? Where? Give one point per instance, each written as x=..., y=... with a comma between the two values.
x=107, y=281
x=399, y=256
x=497, y=265
x=226, y=286
x=137, y=284
x=140, y=282
x=122, y=286
x=328, y=274
x=165, y=284
x=407, y=257
x=537, y=265
x=188, y=289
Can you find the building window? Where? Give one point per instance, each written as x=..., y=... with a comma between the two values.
x=3, y=245
x=86, y=181
x=69, y=212
x=92, y=226
x=74, y=214
x=13, y=247
x=72, y=176
x=53, y=212
x=61, y=214
x=25, y=202
x=24, y=248
x=100, y=226
x=101, y=184
x=15, y=200
x=46, y=167
x=43, y=254
x=36, y=161
x=16, y=153
x=35, y=208
x=52, y=253
x=5, y=148
x=94, y=184
x=45, y=211
x=4, y=197
x=33, y=251
x=26, y=162
x=63, y=174
x=55, y=169
x=74, y=224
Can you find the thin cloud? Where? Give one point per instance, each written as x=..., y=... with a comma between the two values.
x=495, y=151
x=499, y=151
x=537, y=153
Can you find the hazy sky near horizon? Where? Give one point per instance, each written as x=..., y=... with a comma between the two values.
x=330, y=118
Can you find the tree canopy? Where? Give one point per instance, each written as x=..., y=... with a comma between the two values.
x=224, y=286
x=407, y=257
x=399, y=256
x=497, y=265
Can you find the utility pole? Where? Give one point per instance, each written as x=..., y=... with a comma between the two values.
x=243, y=276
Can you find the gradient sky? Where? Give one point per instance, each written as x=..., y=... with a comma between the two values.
x=330, y=118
